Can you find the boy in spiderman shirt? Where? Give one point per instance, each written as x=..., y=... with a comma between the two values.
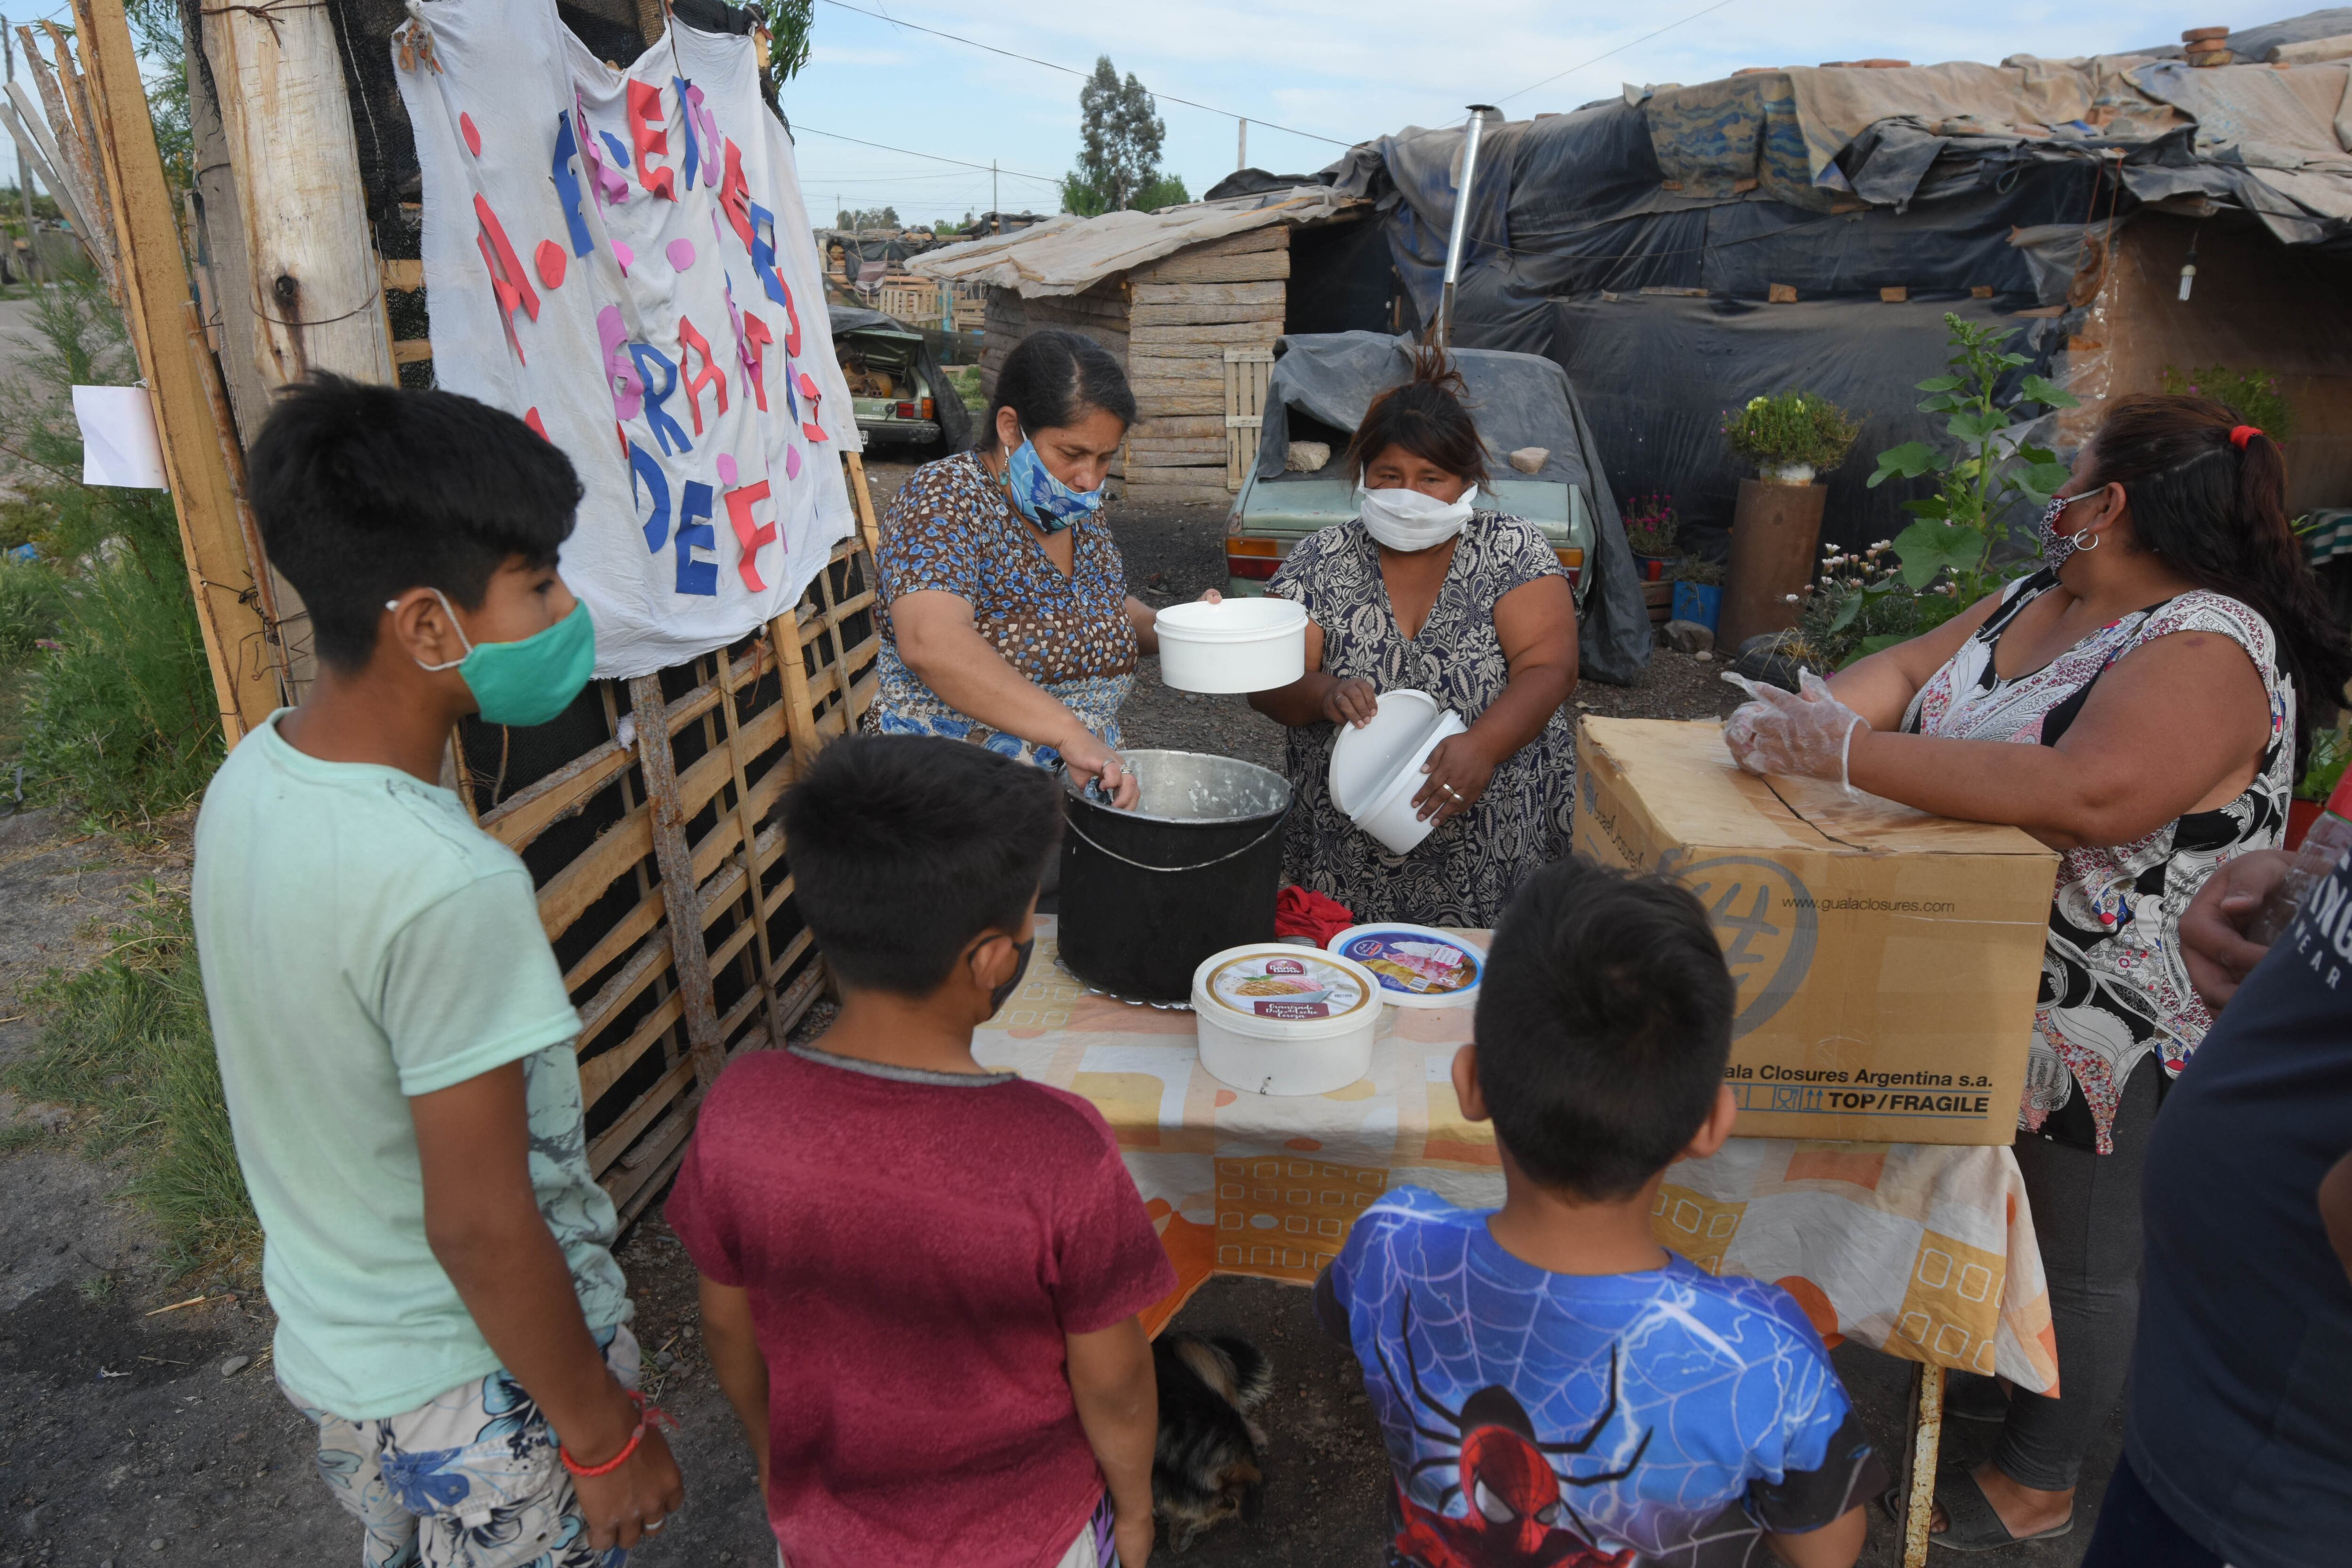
x=1557, y=1390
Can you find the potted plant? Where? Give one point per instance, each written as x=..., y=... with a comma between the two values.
x=2330, y=751
x=1791, y=436
x=1651, y=526
x=1776, y=525
x=1697, y=590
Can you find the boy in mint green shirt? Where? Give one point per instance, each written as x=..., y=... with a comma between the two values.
x=395, y=1041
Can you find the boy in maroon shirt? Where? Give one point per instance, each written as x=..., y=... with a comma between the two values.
x=920, y=1277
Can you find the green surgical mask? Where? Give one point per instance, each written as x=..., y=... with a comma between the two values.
x=527, y=682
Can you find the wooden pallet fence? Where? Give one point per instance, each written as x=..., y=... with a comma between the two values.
x=1247, y=374
x=656, y=795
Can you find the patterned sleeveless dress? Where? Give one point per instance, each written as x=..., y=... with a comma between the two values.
x=2113, y=988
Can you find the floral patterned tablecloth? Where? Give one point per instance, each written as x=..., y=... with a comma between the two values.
x=1926, y=1252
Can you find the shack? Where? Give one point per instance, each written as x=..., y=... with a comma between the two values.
x=1190, y=300
x=1681, y=249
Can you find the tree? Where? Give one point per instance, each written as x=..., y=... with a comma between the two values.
x=155, y=32
x=789, y=24
x=1119, y=132
x=867, y=218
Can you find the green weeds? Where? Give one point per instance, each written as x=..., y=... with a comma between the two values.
x=127, y=1043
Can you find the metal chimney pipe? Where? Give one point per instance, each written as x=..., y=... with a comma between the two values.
x=1443, y=335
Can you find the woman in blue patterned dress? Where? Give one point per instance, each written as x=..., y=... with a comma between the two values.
x=1426, y=592
x=1006, y=618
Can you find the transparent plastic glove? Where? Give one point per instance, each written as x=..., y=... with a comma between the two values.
x=1807, y=732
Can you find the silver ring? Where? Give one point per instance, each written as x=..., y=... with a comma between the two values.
x=1449, y=789
x=655, y=1528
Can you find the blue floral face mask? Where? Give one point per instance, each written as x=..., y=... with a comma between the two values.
x=1040, y=497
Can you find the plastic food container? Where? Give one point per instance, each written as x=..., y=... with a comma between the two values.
x=1417, y=966
x=1279, y=1019
x=1239, y=645
x=1376, y=771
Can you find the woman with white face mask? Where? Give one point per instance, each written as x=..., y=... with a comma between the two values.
x=1430, y=589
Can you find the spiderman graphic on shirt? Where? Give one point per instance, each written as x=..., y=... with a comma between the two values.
x=1537, y=1420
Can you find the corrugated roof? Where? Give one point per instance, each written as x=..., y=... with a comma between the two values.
x=1067, y=255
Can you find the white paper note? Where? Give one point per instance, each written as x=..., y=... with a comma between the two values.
x=118, y=438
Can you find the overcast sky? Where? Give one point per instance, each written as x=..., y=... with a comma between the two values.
x=1345, y=69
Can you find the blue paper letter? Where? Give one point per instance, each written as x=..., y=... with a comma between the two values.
x=697, y=576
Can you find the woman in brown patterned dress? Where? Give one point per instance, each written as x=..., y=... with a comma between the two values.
x=1426, y=592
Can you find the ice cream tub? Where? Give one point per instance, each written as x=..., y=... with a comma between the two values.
x=1279, y=1019
x=1416, y=966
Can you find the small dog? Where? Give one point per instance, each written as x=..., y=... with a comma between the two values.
x=1207, y=1465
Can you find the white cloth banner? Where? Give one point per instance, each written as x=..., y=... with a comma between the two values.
x=623, y=259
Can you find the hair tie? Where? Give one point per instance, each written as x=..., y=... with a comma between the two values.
x=2242, y=435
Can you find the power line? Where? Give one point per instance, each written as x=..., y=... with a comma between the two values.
x=1067, y=70
x=800, y=125
x=1596, y=59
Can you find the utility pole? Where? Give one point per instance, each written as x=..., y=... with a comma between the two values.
x=1241, y=154
x=995, y=202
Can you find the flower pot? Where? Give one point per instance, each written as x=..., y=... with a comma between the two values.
x=1700, y=602
x=1649, y=568
x=1787, y=473
x=2300, y=815
x=1775, y=533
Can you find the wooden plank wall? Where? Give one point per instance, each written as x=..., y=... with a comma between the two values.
x=660, y=792
x=1188, y=309
x=1100, y=313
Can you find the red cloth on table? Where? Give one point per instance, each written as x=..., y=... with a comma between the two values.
x=1297, y=912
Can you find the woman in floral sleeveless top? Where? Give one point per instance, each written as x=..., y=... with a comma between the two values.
x=2141, y=705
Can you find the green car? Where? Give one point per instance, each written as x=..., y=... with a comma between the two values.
x=1319, y=388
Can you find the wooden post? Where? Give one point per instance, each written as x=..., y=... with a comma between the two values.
x=287, y=122
x=854, y=467
x=154, y=285
x=1927, y=1445
x=681, y=900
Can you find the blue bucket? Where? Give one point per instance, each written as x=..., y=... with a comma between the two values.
x=1700, y=602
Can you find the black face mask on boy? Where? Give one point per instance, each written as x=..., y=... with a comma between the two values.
x=996, y=997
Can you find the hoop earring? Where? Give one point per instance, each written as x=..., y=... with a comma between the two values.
x=2084, y=538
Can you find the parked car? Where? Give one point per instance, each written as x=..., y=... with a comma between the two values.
x=899, y=393
x=1321, y=388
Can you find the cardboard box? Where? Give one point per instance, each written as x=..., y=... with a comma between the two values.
x=1886, y=960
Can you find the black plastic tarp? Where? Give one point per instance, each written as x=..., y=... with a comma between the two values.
x=955, y=419
x=1519, y=401
x=1656, y=373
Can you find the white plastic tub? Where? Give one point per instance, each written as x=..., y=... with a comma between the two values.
x=1376, y=771
x=1279, y=1019
x=1238, y=645
x=1417, y=965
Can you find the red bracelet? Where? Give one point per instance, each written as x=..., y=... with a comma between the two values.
x=649, y=1414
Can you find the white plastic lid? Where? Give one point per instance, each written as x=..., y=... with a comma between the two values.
x=1280, y=991
x=1415, y=965
x=1364, y=760
x=1231, y=620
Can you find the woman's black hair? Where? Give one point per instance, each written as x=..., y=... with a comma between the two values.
x=1052, y=380
x=2214, y=510
x=1427, y=418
